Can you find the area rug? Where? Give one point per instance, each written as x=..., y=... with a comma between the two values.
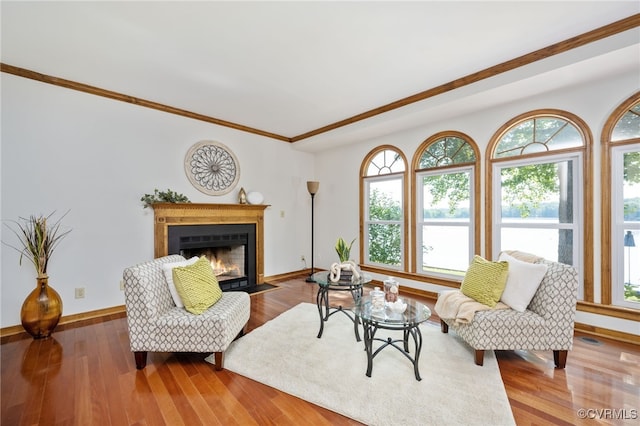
x=285, y=354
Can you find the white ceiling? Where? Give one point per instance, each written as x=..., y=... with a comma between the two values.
x=292, y=67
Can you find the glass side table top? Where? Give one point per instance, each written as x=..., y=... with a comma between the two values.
x=322, y=278
x=414, y=314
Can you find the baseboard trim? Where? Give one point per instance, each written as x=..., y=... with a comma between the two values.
x=101, y=314
x=287, y=276
x=619, y=336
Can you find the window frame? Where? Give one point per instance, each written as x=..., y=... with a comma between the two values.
x=609, y=241
x=420, y=222
x=577, y=219
x=586, y=201
x=416, y=200
x=364, y=208
x=619, y=225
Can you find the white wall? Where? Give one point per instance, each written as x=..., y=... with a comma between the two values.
x=338, y=169
x=66, y=150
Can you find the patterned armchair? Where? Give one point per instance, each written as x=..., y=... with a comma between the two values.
x=157, y=325
x=546, y=324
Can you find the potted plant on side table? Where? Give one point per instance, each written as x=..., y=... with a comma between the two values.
x=38, y=238
x=346, y=268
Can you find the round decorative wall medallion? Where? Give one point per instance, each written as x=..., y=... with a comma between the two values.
x=212, y=168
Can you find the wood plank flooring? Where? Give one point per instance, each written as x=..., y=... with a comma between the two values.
x=85, y=375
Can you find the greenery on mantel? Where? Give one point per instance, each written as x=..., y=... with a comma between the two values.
x=167, y=196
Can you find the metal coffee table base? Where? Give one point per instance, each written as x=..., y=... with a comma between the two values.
x=413, y=330
x=325, y=310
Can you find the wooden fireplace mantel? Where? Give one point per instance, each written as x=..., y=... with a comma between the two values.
x=176, y=214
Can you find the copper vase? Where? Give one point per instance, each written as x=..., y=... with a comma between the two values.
x=41, y=310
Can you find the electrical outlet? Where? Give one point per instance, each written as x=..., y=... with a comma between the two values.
x=80, y=293
x=121, y=285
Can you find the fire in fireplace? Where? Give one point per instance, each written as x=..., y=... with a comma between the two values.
x=231, y=249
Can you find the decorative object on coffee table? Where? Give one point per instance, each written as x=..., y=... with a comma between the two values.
x=42, y=308
x=344, y=271
x=347, y=266
x=344, y=250
x=391, y=289
x=212, y=167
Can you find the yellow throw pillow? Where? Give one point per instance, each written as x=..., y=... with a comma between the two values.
x=197, y=286
x=485, y=280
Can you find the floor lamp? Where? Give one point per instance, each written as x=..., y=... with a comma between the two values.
x=628, y=243
x=312, y=186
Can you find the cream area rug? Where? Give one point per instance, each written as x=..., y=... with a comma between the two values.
x=285, y=354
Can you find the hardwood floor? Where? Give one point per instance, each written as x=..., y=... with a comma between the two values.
x=85, y=375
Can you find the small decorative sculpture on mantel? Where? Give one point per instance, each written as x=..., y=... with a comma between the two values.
x=242, y=196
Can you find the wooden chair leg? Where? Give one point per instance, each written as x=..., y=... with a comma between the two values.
x=219, y=359
x=560, y=358
x=479, y=357
x=141, y=359
x=444, y=327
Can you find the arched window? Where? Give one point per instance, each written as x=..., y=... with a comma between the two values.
x=538, y=180
x=383, y=209
x=621, y=206
x=447, y=188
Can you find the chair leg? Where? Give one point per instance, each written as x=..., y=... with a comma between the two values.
x=243, y=331
x=444, y=327
x=479, y=357
x=560, y=358
x=219, y=359
x=141, y=359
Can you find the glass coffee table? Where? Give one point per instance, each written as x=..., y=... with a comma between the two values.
x=325, y=285
x=408, y=322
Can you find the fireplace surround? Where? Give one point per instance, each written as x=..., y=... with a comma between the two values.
x=232, y=231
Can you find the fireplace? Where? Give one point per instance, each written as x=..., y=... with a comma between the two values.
x=229, y=234
x=230, y=249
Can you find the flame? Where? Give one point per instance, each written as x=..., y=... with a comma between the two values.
x=220, y=268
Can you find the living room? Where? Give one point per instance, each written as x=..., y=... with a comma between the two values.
x=96, y=156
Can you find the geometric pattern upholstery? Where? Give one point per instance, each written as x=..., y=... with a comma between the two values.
x=546, y=324
x=157, y=325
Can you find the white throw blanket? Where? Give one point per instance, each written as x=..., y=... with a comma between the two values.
x=453, y=304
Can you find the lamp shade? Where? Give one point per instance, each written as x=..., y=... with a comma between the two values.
x=628, y=240
x=313, y=186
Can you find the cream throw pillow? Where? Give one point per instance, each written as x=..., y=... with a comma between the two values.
x=197, y=286
x=167, y=269
x=523, y=281
x=484, y=281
